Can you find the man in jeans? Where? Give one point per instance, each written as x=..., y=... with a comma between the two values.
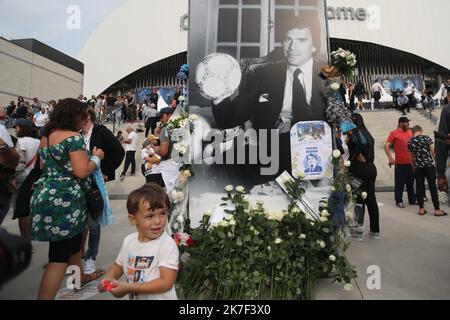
x=130, y=157
x=403, y=168
x=99, y=136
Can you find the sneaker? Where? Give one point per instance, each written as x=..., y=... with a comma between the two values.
x=132, y=174
x=89, y=266
x=374, y=235
x=356, y=235
x=401, y=205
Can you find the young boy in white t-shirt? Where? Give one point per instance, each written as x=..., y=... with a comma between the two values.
x=148, y=258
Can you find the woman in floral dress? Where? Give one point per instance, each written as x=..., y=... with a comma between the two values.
x=58, y=205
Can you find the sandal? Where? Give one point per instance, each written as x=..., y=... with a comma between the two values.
x=441, y=215
x=424, y=213
x=91, y=277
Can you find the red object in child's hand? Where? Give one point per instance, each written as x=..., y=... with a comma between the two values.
x=107, y=285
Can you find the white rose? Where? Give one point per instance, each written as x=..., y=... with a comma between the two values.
x=48, y=220
x=348, y=287
x=336, y=154
x=193, y=117
x=324, y=213
x=326, y=230
x=245, y=199
x=240, y=189
x=349, y=188
x=335, y=86
x=295, y=210
x=180, y=218
x=302, y=236
x=278, y=241
x=229, y=188
x=223, y=224
x=185, y=257
x=333, y=189
x=321, y=244
x=207, y=214
x=308, y=217
x=349, y=215
x=332, y=258
x=232, y=222
x=269, y=248
x=347, y=164
x=364, y=195
x=342, y=54
x=323, y=219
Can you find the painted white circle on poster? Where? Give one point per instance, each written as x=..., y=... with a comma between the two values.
x=311, y=150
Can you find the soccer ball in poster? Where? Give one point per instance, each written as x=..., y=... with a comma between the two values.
x=218, y=76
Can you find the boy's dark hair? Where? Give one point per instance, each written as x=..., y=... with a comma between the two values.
x=416, y=129
x=151, y=193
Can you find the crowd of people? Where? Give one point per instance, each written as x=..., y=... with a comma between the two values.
x=48, y=166
x=47, y=171
x=403, y=99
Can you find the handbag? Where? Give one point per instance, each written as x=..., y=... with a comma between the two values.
x=94, y=199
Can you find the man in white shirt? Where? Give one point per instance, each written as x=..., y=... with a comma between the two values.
x=377, y=90
x=130, y=157
x=40, y=119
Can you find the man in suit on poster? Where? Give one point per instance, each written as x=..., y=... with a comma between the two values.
x=282, y=92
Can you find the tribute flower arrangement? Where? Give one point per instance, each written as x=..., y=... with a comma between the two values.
x=257, y=254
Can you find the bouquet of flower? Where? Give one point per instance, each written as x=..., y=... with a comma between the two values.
x=257, y=254
x=183, y=239
x=182, y=121
x=344, y=60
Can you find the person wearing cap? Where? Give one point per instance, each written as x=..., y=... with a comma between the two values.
x=168, y=167
x=403, y=103
x=404, y=174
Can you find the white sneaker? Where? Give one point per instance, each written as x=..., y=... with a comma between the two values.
x=374, y=235
x=356, y=235
x=89, y=266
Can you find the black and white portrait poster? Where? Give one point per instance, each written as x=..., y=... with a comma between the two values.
x=255, y=68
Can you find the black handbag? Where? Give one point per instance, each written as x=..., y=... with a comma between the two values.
x=94, y=199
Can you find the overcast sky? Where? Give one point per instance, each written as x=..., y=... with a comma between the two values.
x=46, y=21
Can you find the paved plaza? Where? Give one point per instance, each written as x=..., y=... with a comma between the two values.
x=412, y=254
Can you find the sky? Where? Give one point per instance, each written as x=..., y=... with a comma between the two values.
x=47, y=21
